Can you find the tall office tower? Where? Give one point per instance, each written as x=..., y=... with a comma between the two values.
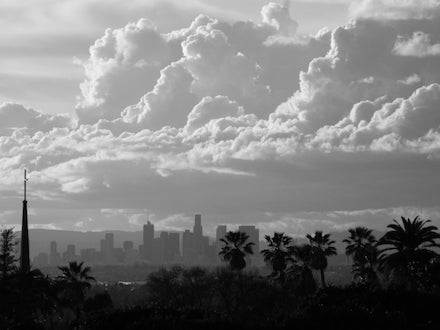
x=147, y=243
x=220, y=233
x=108, y=248
x=197, y=236
x=166, y=249
x=110, y=240
x=102, y=246
x=88, y=255
x=158, y=251
x=70, y=253
x=174, y=247
x=24, y=243
x=198, y=230
x=187, y=247
x=54, y=256
x=128, y=245
x=254, y=237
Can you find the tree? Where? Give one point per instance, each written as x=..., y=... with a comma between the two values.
x=236, y=248
x=361, y=247
x=74, y=281
x=300, y=272
x=408, y=251
x=7, y=257
x=322, y=248
x=277, y=254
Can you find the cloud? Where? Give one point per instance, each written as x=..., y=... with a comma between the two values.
x=419, y=45
x=241, y=120
x=278, y=16
x=395, y=9
x=134, y=56
x=14, y=117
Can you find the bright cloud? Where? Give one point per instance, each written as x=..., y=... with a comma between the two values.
x=243, y=121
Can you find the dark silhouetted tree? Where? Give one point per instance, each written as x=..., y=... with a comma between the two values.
x=74, y=281
x=277, y=254
x=236, y=248
x=361, y=247
x=407, y=252
x=7, y=257
x=300, y=272
x=323, y=247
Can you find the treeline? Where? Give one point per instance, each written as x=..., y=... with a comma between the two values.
x=396, y=285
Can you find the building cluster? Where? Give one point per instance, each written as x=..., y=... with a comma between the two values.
x=157, y=248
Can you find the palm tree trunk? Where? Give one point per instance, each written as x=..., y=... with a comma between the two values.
x=322, y=278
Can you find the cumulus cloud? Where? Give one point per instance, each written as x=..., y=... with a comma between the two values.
x=419, y=45
x=15, y=116
x=131, y=56
x=233, y=117
x=278, y=16
x=395, y=9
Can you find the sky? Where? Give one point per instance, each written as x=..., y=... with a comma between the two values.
x=293, y=116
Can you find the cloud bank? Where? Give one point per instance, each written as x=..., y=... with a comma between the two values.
x=244, y=122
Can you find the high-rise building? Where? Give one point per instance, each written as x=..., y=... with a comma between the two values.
x=158, y=250
x=174, y=247
x=108, y=247
x=166, y=257
x=187, y=247
x=110, y=241
x=128, y=245
x=147, y=243
x=88, y=255
x=219, y=234
x=254, y=237
x=198, y=236
x=69, y=254
x=54, y=256
x=198, y=229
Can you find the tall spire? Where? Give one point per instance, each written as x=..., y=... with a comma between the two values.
x=24, y=257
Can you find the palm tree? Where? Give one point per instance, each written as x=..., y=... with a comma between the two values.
x=235, y=249
x=361, y=247
x=74, y=281
x=300, y=272
x=408, y=251
x=323, y=248
x=277, y=254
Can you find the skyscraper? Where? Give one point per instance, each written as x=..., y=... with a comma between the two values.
x=219, y=234
x=128, y=245
x=148, y=239
x=198, y=236
x=254, y=237
x=54, y=256
x=174, y=247
x=24, y=250
x=187, y=246
x=109, y=247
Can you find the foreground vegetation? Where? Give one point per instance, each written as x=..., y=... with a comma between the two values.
x=396, y=285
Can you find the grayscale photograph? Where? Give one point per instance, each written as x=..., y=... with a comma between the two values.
x=219, y=164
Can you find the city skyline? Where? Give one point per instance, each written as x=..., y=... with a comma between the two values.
x=155, y=248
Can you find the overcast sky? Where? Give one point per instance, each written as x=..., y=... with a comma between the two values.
x=294, y=117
